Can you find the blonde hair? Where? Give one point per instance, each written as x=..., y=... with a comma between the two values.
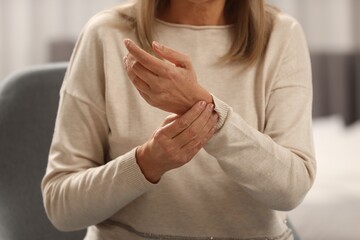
x=252, y=19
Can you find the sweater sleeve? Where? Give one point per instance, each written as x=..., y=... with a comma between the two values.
x=276, y=166
x=81, y=187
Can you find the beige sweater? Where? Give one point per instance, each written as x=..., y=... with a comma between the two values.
x=259, y=164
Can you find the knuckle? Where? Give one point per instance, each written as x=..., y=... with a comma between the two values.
x=159, y=135
x=183, y=123
x=170, y=73
x=192, y=133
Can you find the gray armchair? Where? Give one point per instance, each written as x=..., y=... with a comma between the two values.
x=28, y=106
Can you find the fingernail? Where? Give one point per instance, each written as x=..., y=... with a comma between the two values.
x=202, y=104
x=215, y=116
x=156, y=45
x=124, y=59
x=127, y=42
x=211, y=107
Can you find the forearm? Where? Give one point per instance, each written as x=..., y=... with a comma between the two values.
x=278, y=176
x=79, y=199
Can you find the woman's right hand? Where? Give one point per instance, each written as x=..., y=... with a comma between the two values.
x=177, y=141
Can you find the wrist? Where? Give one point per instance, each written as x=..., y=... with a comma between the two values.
x=146, y=165
x=202, y=95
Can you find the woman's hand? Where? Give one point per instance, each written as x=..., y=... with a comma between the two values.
x=171, y=86
x=178, y=140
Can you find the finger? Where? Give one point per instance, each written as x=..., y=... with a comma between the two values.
x=145, y=97
x=170, y=119
x=194, y=146
x=141, y=85
x=135, y=79
x=183, y=122
x=127, y=63
x=175, y=57
x=147, y=60
x=143, y=73
x=191, y=149
x=196, y=129
x=130, y=73
x=209, y=128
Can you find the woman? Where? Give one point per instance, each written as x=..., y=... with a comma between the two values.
x=233, y=158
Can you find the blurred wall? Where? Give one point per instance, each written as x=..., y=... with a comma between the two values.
x=28, y=27
x=330, y=25
x=332, y=28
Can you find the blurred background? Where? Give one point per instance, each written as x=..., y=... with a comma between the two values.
x=42, y=31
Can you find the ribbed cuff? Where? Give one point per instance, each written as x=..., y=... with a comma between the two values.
x=132, y=174
x=223, y=110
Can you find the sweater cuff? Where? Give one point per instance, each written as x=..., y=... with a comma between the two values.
x=136, y=181
x=222, y=109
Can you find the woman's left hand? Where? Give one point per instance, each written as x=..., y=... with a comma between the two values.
x=171, y=86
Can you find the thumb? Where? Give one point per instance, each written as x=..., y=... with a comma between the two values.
x=169, y=119
x=175, y=57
